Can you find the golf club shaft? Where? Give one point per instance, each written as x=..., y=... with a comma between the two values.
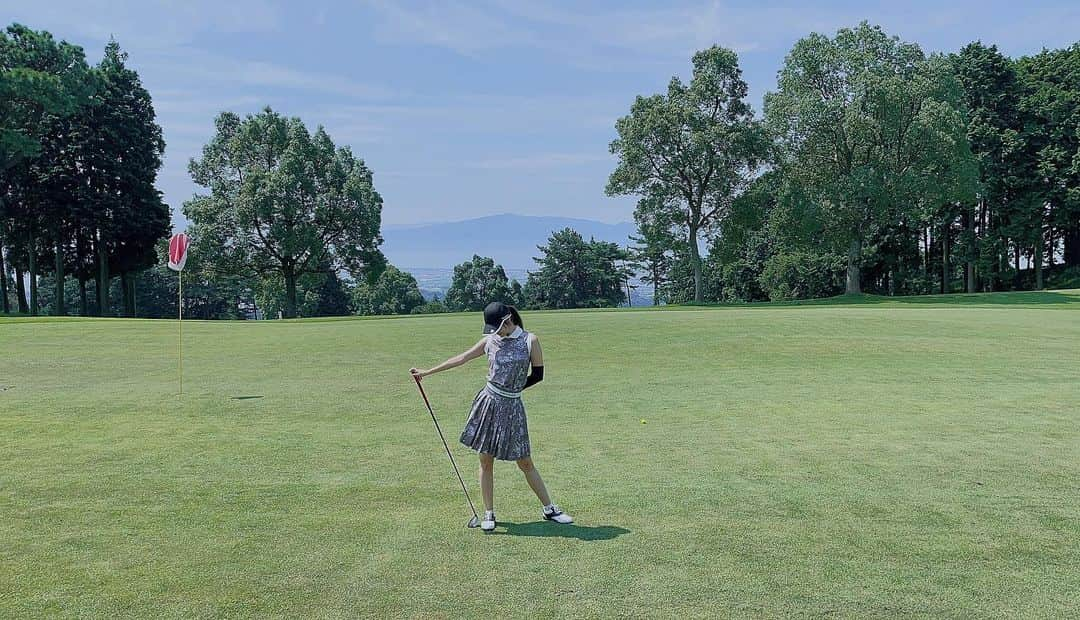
x=448, y=453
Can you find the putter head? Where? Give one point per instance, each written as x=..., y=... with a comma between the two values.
x=474, y=522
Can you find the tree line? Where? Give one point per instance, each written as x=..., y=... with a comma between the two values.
x=79, y=156
x=571, y=273
x=875, y=168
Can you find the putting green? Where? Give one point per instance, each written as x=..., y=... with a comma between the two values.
x=853, y=458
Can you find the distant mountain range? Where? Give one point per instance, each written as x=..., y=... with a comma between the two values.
x=510, y=239
x=430, y=251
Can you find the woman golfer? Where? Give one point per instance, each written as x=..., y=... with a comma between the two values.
x=496, y=427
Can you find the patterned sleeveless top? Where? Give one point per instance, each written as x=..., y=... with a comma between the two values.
x=508, y=360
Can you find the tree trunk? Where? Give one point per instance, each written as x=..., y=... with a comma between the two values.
x=1016, y=279
x=103, y=276
x=290, y=294
x=972, y=253
x=32, y=255
x=926, y=252
x=5, y=305
x=59, y=307
x=20, y=291
x=1038, y=255
x=987, y=280
x=83, y=309
x=695, y=259
x=1051, y=250
x=97, y=291
x=1071, y=237
x=945, y=258
x=1002, y=264
x=655, y=286
x=854, y=275
x=125, y=293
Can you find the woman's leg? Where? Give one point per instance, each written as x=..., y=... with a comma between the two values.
x=487, y=480
x=535, y=481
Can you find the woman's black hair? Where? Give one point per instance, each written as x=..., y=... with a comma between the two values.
x=517, y=317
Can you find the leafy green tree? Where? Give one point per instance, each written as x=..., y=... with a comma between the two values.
x=393, y=292
x=47, y=295
x=208, y=294
x=750, y=213
x=1051, y=108
x=693, y=149
x=156, y=292
x=869, y=127
x=332, y=297
x=517, y=294
x=476, y=283
x=680, y=286
x=284, y=201
x=577, y=274
x=40, y=78
x=53, y=184
x=802, y=275
x=317, y=294
x=132, y=217
x=992, y=93
x=657, y=243
x=89, y=189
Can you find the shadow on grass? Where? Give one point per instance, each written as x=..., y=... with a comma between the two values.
x=548, y=529
x=245, y=397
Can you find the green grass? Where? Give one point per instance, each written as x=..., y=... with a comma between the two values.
x=856, y=458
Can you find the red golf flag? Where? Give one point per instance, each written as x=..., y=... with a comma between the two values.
x=178, y=246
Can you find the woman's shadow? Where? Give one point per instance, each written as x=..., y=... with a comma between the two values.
x=558, y=530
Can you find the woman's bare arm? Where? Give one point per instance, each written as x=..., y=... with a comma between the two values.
x=536, y=355
x=476, y=351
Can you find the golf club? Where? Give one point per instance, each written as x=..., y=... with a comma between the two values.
x=475, y=521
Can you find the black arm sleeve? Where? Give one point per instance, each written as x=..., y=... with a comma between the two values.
x=536, y=376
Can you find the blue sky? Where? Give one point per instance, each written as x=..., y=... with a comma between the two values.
x=464, y=109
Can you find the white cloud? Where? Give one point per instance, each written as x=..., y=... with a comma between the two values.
x=627, y=39
x=149, y=25
x=619, y=38
x=466, y=29
x=486, y=114
x=214, y=70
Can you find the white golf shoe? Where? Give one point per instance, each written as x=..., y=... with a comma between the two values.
x=553, y=513
x=487, y=524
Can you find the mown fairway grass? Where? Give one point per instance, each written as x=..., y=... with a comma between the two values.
x=843, y=459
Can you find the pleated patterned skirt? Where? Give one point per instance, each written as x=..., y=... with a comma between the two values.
x=497, y=426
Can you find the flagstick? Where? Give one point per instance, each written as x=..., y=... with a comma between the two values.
x=180, y=323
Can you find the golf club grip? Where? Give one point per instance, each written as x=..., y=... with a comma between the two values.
x=422, y=393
